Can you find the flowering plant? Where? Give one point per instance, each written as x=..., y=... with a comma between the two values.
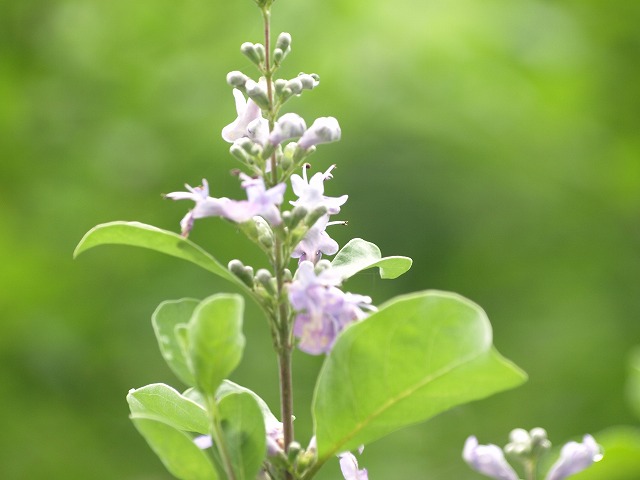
x=385, y=367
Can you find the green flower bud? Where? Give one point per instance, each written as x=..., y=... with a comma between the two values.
x=309, y=81
x=278, y=85
x=315, y=215
x=284, y=42
x=238, y=152
x=252, y=52
x=236, y=79
x=278, y=56
x=295, y=85
x=243, y=273
x=297, y=215
x=264, y=278
x=257, y=93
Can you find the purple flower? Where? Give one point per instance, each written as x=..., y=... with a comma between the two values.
x=349, y=467
x=323, y=309
x=311, y=192
x=275, y=437
x=249, y=122
x=260, y=201
x=323, y=130
x=488, y=460
x=575, y=457
x=316, y=242
x=206, y=206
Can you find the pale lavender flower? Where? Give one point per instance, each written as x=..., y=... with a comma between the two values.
x=311, y=192
x=316, y=242
x=203, y=442
x=323, y=130
x=248, y=111
x=323, y=310
x=206, y=206
x=260, y=202
x=349, y=467
x=275, y=437
x=488, y=460
x=575, y=457
x=287, y=127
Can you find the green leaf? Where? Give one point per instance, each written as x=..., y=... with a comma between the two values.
x=244, y=433
x=419, y=355
x=176, y=450
x=138, y=234
x=359, y=255
x=215, y=340
x=163, y=403
x=228, y=387
x=166, y=320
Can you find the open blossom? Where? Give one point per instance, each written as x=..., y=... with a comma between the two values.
x=323, y=130
x=488, y=460
x=349, y=467
x=575, y=457
x=323, y=309
x=311, y=192
x=260, y=201
x=316, y=242
x=249, y=122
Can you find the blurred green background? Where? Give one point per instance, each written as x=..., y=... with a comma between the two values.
x=495, y=142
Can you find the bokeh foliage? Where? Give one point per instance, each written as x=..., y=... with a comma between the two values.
x=495, y=142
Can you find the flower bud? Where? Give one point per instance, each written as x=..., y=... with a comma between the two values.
x=278, y=56
x=323, y=130
x=279, y=85
x=243, y=273
x=240, y=153
x=309, y=81
x=236, y=79
x=264, y=278
x=257, y=93
x=284, y=42
x=252, y=52
x=295, y=85
x=297, y=215
x=293, y=451
x=315, y=215
x=288, y=126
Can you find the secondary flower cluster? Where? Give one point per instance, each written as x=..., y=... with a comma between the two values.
x=527, y=447
x=323, y=309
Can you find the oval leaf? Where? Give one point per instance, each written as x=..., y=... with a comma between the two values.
x=358, y=255
x=165, y=320
x=176, y=450
x=215, y=340
x=419, y=355
x=244, y=433
x=163, y=403
x=138, y=234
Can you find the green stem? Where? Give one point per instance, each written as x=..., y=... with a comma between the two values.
x=218, y=438
x=283, y=321
x=530, y=470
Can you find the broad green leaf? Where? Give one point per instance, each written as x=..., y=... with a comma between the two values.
x=163, y=403
x=166, y=319
x=138, y=234
x=419, y=355
x=215, y=340
x=359, y=255
x=176, y=450
x=244, y=433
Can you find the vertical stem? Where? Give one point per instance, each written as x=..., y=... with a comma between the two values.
x=218, y=438
x=530, y=470
x=283, y=321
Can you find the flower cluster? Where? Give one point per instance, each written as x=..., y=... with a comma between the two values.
x=323, y=309
x=527, y=448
